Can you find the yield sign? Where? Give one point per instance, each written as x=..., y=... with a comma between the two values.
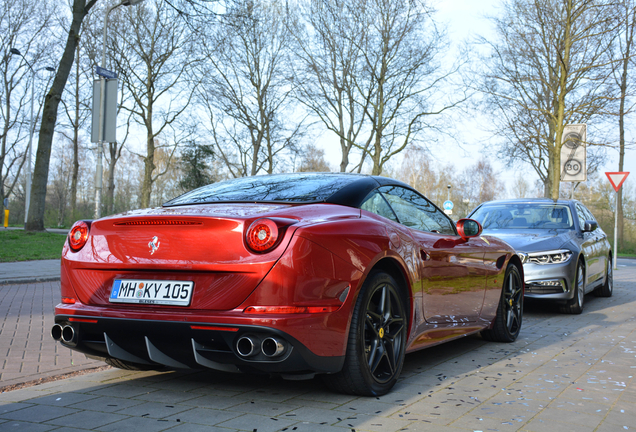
x=617, y=179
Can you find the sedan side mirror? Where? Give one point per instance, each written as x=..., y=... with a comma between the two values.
x=590, y=226
x=468, y=228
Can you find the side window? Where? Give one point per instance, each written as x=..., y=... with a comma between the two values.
x=415, y=211
x=582, y=214
x=588, y=214
x=375, y=203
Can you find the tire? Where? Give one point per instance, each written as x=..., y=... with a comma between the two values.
x=507, y=324
x=122, y=364
x=607, y=288
x=575, y=306
x=377, y=340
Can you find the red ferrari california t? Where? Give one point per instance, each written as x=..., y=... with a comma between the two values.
x=292, y=274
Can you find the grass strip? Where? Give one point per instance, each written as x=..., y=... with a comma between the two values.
x=19, y=245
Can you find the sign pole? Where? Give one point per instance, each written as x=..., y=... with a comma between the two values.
x=616, y=233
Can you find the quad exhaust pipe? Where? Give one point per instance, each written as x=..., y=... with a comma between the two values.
x=56, y=332
x=272, y=347
x=247, y=346
x=65, y=334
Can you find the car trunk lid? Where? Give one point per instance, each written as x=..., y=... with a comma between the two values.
x=202, y=244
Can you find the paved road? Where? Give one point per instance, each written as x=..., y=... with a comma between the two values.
x=565, y=372
x=626, y=262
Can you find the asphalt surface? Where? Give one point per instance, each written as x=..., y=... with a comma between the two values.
x=564, y=373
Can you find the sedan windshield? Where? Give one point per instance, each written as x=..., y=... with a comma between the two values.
x=309, y=187
x=524, y=216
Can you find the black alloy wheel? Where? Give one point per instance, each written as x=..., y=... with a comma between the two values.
x=507, y=324
x=383, y=333
x=377, y=340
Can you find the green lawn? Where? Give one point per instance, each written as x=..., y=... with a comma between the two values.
x=19, y=245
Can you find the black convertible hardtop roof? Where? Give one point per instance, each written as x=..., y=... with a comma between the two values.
x=297, y=188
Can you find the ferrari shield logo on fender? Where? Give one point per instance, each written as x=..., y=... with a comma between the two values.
x=154, y=245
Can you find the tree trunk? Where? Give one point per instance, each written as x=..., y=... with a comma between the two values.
x=344, y=162
x=621, y=151
x=3, y=150
x=621, y=154
x=149, y=167
x=629, y=39
x=75, y=168
x=563, y=67
x=49, y=118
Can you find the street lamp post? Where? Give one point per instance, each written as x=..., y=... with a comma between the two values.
x=31, y=131
x=102, y=93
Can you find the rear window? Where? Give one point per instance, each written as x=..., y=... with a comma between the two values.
x=524, y=216
x=309, y=187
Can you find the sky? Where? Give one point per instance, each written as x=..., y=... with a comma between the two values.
x=467, y=18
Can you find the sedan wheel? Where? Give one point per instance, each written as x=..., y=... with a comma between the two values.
x=607, y=288
x=575, y=306
x=507, y=324
x=377, y=340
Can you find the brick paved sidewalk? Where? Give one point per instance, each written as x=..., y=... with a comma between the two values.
x=30, y=352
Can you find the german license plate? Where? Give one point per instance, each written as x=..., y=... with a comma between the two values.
x=158, y=292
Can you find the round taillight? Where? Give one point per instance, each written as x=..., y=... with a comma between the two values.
x=78, y=235
x=262, y=235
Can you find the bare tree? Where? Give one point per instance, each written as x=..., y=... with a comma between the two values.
x=60, y=187
x=371, y=72
x=23, y=26
x=548, y=67
x=80, y=9
x=152, y=52
x=75, y=102
x=480, y=183
x=128, y=180
x=246, y=88
x=313, y=160
x=329, y=38
x=419, y=170
x=416, y=170
x=92, y=40
x=520, y=187
x=623, y=78
x=402, y=53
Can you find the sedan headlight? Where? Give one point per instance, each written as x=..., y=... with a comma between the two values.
x=547, y=257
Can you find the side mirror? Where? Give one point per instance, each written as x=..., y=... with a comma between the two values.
x=590, y=226
x=468, y=228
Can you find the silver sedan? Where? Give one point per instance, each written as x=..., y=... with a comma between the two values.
x=565, y=253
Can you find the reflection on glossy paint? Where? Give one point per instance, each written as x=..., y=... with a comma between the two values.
x=436, y=335
x=355, y=259
x=445, y=243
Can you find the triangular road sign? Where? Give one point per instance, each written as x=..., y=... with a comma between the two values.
x=617, y=179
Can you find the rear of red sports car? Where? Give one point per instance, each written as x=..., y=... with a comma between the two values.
x=227, y=287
